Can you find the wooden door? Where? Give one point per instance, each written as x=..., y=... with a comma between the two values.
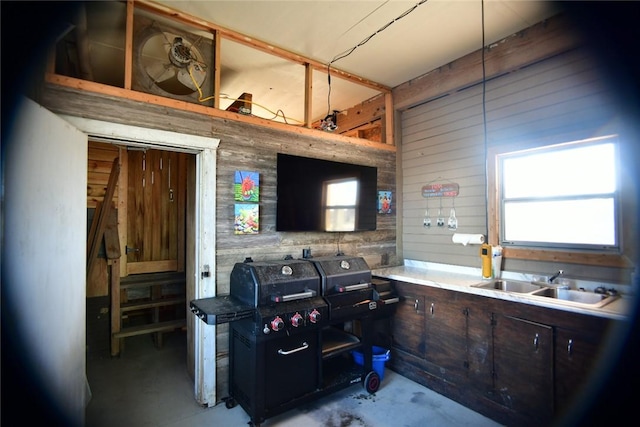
x=407, y=328
x=446, y=333
x=44, y=266
x=523, y=368
x=155, y=211
x=576, y=356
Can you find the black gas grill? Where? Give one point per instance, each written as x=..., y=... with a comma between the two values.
x=288, y=341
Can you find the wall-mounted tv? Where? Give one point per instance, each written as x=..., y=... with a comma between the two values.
x=323, y=195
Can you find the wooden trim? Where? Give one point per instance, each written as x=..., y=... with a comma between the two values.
x=152, y=266
x=546, y=39
x=128, y=46
x=132, y=95
x=308, y=94
x=116, y=320
x=123, y=204
x=182, y=201
x=217, y=69
x=594, y=259
x=256, y=44
x=388, y=119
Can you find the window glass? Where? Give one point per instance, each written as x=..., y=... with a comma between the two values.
x=341, y=205
x=561, y=196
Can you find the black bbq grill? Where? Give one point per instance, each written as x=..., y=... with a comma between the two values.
x=287, y=340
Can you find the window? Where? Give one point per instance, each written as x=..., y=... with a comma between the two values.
x=562, y=197
x=341, y=198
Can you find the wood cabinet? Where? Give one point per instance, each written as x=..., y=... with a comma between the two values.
x=576, y=356
x=408, y=325
x=516, y=363
x=448, y=331
x=523, y=368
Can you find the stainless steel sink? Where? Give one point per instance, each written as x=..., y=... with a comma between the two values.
x=510, y=286
x=590, y=299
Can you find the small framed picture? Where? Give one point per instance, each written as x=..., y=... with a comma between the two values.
x=247, y=218
x=384, y=202
x=246, y=186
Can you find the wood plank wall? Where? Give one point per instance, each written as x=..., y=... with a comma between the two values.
x=249, y=147
x=561, y=99
x=100, y=160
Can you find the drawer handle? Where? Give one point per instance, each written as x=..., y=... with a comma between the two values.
x=432, y=308
x=569, y=347
x=304, y=346
x=536, y=339
x=415, y=305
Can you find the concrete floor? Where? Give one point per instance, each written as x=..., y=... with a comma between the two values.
x=147, y=387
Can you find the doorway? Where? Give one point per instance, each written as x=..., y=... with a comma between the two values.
x=200, y=231
x=147, y=293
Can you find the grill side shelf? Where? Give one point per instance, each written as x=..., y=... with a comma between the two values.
x=220, y=309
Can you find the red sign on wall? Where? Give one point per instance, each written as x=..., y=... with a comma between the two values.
x=440, y=190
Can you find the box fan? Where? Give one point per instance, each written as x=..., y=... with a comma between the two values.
x=172, y=63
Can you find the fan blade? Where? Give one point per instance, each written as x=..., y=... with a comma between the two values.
x=159, y=72
x=174, y=86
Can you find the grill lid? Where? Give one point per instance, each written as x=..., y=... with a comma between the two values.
x=343, y=274
x=268, y=282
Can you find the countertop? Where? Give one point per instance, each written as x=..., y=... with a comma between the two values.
x=458, y=278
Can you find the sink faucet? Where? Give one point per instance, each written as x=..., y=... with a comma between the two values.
x=555, y=276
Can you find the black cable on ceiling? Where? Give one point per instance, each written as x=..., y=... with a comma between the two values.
x=348, y=52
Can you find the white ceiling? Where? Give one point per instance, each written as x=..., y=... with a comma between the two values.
x=435, y=33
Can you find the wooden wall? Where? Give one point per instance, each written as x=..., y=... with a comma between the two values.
x=254, y=148
x=561, y=98
x=101, y=156
x=249, y=147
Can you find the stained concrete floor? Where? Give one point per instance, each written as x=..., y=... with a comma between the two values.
x=147, y=387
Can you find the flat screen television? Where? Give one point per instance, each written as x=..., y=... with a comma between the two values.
x=323, y=195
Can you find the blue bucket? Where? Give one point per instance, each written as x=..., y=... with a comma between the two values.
x=380, y=356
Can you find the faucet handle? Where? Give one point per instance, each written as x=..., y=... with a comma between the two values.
x=555, y=276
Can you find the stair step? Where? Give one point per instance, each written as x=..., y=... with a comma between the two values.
x=150, y=328
x=163, y=302
x=153, y=279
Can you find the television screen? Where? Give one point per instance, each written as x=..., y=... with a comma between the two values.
x=323, y=195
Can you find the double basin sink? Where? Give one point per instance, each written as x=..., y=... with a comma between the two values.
x=557, y=292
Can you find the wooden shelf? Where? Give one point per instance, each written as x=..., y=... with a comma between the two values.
x=163, y=302
x=167, y=326
x=156, y=283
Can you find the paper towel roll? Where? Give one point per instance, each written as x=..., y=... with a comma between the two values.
x=468, y=239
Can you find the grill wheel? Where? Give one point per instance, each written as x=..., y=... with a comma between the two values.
x=372, y=382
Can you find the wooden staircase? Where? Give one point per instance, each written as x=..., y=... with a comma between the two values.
x=151, y=313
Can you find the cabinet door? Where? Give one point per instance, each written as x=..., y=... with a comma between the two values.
x=446, y=332
x=479, y=346
x=576, y=354
x=408, y=322
x=523, y=368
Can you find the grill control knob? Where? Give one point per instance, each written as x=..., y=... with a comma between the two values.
x=314, y=316
x=296, y=320
x=277, y=324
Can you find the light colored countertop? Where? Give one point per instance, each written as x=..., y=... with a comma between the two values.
x=458, y=278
